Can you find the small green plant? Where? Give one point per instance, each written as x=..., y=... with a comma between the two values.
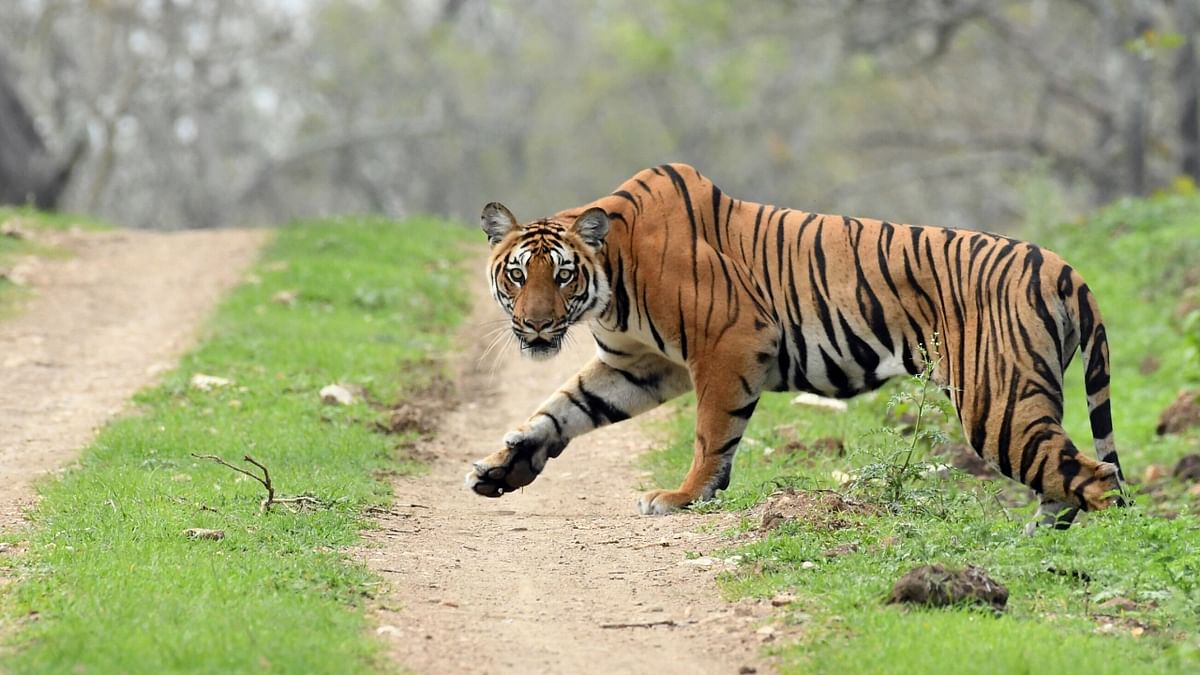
x=897, y=464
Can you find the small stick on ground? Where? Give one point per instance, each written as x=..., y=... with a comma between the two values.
x=265, y=481
x=641, y=624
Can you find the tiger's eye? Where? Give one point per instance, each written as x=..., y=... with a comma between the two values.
x=565, y=276
x=516, y=275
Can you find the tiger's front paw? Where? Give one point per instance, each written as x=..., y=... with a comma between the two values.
x=662, y=502
x=517, y=465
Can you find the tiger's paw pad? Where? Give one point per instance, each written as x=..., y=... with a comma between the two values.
x=662, y=502
x=507, y=470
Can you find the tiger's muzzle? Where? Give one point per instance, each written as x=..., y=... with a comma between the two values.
x=540, y=339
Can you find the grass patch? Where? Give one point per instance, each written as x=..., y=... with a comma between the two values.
x=21, y=234
x=1119, y=592
x=110, y=580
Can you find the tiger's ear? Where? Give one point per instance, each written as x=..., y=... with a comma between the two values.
x=592, y=226
x=497, y=221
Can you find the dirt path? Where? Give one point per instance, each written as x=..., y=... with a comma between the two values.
x=528, y=582
x=102, y=323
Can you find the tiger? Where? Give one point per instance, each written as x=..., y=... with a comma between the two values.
x=686, y=288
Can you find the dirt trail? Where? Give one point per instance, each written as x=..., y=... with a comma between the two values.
x=102, y=323
x=526, y=583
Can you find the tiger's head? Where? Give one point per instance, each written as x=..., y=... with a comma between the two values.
x=547, y=274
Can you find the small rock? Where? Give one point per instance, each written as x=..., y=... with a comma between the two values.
x=208, y=382
x=287, y=298
x=747, y=670
x=204, y=533
x=701, y=562
x=831, y=404
x=336, y=394
x=766, y=633
x=5, y=547
x=387, y=629
x=1153, y=472
x=808, y=565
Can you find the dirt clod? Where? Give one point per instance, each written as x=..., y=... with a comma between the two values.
x=408, y=417
x=840, y=550
x=783, y=599
x=1187, y=468
x=1182, y=414
x=939, y=586
x=822, y=510
x=1118, y=602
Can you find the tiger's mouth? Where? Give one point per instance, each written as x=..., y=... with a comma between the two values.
x=540, y=348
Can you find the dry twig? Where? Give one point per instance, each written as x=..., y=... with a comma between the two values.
x=265, y=481
x=641, y=624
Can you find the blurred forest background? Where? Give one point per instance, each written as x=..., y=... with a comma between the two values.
x=972, y=113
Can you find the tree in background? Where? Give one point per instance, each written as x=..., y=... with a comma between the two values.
x=28, y=172
x=973, y=113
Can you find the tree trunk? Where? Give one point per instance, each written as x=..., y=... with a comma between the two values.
x=28, y=174
x=1187, y=85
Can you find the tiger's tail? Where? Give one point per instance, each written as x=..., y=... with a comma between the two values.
x=1093, y=345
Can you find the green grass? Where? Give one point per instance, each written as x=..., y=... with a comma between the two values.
x=114, y=584
x=1137, y=256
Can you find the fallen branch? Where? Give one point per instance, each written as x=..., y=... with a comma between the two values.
x=265, y=481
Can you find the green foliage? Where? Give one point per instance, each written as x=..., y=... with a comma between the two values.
x=888, y=479
x=114, y=583
x=1117, y=592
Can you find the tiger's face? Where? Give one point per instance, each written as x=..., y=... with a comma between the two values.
x=546, y=275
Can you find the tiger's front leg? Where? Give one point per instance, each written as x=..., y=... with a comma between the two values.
x=605, y=391
x=728, y=388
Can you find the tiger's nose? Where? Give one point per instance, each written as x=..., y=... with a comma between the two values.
x=537, y=325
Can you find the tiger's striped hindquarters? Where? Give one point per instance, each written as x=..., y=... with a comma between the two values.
x=686, y=288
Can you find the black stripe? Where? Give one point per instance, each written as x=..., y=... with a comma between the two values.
x=603, y=408
x=745, y=411
x=1101, y=419
x=608, y=349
